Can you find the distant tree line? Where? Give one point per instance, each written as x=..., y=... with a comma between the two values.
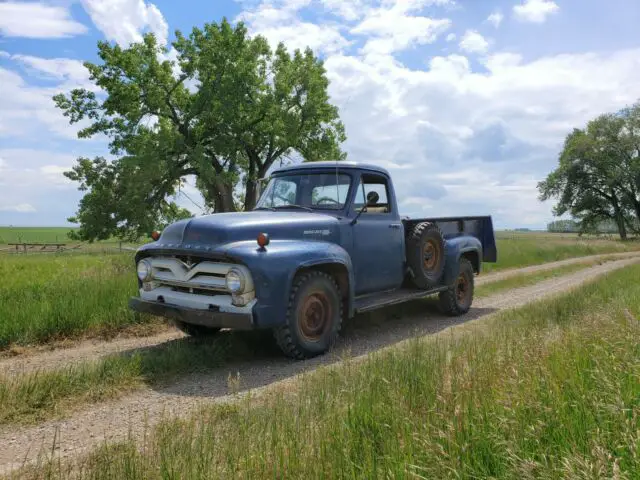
x=573, y=226
x=597, y=180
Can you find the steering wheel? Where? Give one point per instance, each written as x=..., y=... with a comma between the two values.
x=331, y=200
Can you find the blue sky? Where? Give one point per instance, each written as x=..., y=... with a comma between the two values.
x=466, y=102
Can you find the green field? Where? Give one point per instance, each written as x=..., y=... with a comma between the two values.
x=551, y=390
x=34, y=235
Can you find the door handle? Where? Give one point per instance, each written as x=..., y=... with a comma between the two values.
x=395, y=225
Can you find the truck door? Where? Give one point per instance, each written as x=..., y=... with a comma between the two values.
x=378, y=237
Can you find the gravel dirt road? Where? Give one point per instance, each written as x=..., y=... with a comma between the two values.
x=136, y=413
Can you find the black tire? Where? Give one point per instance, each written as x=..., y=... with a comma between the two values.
x=314, y=316
x=425, y=255
x=457, y=299
x=195, y=330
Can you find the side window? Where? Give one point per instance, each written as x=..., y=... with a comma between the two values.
x=373, y=191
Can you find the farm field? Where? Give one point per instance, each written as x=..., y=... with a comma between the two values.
x=34, y=235
x=56, y=297
x=547, y=390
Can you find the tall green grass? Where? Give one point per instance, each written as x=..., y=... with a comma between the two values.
x=551, y=390
x=533, y=249
x=57, y=296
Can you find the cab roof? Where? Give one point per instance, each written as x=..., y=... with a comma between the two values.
x=331, y=164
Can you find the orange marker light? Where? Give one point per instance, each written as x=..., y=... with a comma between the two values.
x=155, y=235
x=263, y=240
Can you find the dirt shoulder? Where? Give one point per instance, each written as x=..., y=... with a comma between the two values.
x=135, y=414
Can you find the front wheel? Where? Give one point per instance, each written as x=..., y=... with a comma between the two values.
x=314, y=316
x=457, y=299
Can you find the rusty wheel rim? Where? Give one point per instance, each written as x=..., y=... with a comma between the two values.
x=314, y=316
x=462, y=288
x=430, y=255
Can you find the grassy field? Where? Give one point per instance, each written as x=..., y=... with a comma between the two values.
x=551, y=390
x=34, y=235
x=44, y=298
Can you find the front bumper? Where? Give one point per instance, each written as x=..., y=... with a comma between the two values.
x=195, y=316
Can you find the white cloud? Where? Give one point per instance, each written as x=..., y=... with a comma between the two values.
x=37, y=20
x=66, y=69
x=473, y=42
x=535, y=11
x=391, y=27
x=495, y=18
x=21, y=208
x=451, y=37
x=499, y=131
x=123, y=21
x=279, y=23
x=28, y=111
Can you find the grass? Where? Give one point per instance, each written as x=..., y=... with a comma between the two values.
x=60, y=296
x=520, y=250
x=34, y=234
x=551, y=390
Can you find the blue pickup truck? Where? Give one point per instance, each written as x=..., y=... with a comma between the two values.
x=324, y=242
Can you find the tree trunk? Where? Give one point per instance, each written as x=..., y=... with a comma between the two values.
x=251, y=195
x=619, y=217
x=222, y=193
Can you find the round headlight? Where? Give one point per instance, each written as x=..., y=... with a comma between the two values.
x=235, y=280
x=144, y=270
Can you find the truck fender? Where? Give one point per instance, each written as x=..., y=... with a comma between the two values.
x=455, y=248
x=338, y=264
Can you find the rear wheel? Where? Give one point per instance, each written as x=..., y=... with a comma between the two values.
x=314, y=316
x=457, y=299
x=425, y=255
x=195, y=330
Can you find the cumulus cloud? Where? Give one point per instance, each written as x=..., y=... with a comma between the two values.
x=535, y=11
x=64, y=69
x=473, y=42
x=278, y=22
x=123, y=21
x=37, y=20
x=392, y=27
x=495, y=18
x=485, y=138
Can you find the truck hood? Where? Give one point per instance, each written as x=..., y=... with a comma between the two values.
x=222, y=228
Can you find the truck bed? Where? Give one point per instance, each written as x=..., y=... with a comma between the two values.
x=451, y=227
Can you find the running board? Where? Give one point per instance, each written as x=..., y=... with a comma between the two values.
x=373, y=301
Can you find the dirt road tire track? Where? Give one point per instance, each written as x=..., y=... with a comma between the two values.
x=79, y=353
x=135, y=414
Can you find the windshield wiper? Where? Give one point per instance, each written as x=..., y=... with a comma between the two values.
x=293, y=205
x=265, y=208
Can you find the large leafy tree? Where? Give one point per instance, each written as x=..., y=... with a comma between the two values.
x=223, y=111
x=598, y=176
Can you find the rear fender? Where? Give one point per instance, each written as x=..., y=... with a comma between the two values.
x=456, y=248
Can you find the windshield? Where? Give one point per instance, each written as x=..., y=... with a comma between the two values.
x=309, y=190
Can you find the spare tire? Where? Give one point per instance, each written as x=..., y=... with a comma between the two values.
x=425, y=255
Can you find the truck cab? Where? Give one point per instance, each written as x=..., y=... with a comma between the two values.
x=325, y=241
